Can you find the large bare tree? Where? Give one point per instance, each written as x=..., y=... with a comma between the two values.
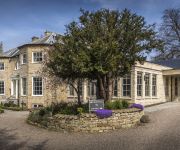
x=170, y=33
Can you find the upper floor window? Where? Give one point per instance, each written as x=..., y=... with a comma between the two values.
x=154, y=85
x=37, y=86
x=1, y=65
x=115, y=92
x=147, y=84
x=17, y=65
x=1, y=87
x=37, y=57
x=126, y=86
x=24, y=58
x=139, y=84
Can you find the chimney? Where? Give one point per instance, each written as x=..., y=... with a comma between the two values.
x=1, y=47
x=47, y=33
x=34, y=38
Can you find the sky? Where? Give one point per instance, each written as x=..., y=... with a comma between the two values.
x=22, y=19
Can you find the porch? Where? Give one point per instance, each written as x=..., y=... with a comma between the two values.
x=172, y=84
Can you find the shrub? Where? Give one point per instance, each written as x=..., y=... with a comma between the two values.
x=1, y=110
x=10, y=104
x=117, y=104
x=35, y=117
x=125, y=104
x=80, y=110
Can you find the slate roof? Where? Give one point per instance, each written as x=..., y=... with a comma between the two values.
x=49, y=39
x=173, y=63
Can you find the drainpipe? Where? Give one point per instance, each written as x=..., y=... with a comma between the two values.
x=171, y=89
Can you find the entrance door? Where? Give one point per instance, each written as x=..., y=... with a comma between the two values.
x=15, y=88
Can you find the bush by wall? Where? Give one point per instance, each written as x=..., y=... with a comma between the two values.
x=1, y=110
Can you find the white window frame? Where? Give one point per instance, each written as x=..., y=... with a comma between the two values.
x=147, y=87
x=91, y=89
x=154, y=86
x=125, y=78
x=139, y=92
x=17, y=66
x=4, y=66
x=33, y=57
x=33, y=85
x=22, y=88
x=69, y=89
x=4, y=87
x=115, y=88
x=22, y=59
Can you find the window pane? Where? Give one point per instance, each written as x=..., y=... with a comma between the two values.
x=24, y=86
x=139, y=84
x=24, y=58
x=154, y=85
x=37, y=56
x=1, y=66
x=127, y=86
x=167, y=86
x=176, y=86
x=147, y=84
x=37, y=85
x=71, y=90
x=1, y=87
x=115, y=88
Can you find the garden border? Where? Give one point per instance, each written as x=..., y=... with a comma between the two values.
x=124, y=118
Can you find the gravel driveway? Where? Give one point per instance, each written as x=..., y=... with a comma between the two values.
x=163, y=133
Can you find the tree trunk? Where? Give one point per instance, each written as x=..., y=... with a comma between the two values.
x=77, y=89
x=101, y=89
x=79, y=99
x=109, y=89
x=105, y=88
x=78, y=93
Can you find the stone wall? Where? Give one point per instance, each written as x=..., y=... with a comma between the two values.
x=91, y=123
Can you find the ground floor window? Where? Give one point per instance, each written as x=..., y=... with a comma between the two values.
x=37, y=105
x=176, y=86
x=115, y=93
x=24, y=86
x=80, y=88
x=154, y=85
x=91, y=88
x=37, y=86
x=126, y=85
x=147, y=84
x=71, y=91
x=167, y=86
x=2, y=87
x=139, y=84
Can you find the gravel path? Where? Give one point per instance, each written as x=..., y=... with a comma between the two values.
x=163, y=133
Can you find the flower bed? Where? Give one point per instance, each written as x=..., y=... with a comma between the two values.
x=85, y=122
x=103, y=113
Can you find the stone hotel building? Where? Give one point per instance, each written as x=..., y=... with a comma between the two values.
x=21, y=80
